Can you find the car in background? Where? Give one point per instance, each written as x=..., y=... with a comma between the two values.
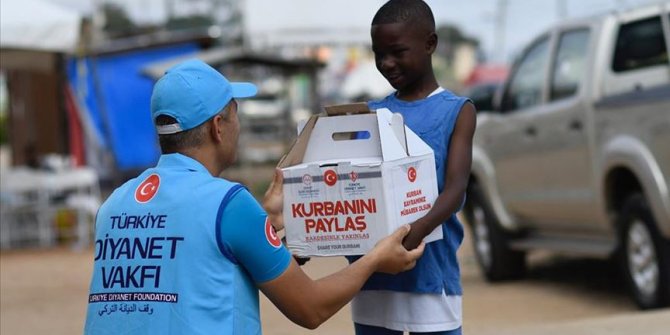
x=483, y=95
x=483, y=83
x=576, y=158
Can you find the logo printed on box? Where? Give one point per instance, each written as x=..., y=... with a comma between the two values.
x=307, y=179
x=147, y=189
x=411, y=174
x=369, y=187
x=330, y=177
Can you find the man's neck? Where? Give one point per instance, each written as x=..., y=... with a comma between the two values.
x=206, y=158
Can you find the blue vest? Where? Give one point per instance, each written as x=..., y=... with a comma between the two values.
x=433, y=119
x=159, y=265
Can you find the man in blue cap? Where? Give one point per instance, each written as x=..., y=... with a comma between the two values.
x=180, y=251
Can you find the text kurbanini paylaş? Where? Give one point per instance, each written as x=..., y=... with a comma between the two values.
x=334, y=216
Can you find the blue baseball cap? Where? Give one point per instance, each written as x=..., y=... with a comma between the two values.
x=192, y=92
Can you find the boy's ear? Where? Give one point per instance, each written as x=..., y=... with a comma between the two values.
x=431, y=43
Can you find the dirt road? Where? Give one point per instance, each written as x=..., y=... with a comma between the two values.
x=556, y=290
x=45, y=291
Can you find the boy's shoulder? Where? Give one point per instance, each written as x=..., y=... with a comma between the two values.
x=448, y=95
x=381, y=100
x=444, y=96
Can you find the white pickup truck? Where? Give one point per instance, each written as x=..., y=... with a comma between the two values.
x=576, y=156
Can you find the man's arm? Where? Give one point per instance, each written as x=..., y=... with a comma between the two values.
x=308, y=302
x=456, y=178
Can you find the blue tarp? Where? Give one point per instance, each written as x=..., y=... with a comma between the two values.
x=117, y=98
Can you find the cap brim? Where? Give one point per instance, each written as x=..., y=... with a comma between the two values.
x=243, y=90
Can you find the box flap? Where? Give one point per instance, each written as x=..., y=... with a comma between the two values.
x=297, y=152
x=301, y=125
x=407, y=142
x=381, y=135
x=347, y=109
x=415, y=145
x=392, y=134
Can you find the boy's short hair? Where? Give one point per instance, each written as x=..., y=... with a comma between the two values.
x=413, y=11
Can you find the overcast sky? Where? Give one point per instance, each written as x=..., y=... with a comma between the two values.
x=524, y=20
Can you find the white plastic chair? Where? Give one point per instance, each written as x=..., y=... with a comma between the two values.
x=31, y=199
x=24, y=208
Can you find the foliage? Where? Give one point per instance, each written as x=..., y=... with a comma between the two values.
x=117, y=22
x=3, y=128
x=185, y=22
x=449, y=37
x=453, y=35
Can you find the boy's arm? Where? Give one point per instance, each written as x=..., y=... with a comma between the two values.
x=456, y=178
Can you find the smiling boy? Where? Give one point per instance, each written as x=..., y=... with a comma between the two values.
x=428, y=298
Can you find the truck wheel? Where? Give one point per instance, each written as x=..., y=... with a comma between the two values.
x=645, y=254
x=496, y=260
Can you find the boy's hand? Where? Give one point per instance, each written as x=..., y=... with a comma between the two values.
x=392, y=257
x=299, y=259
x=273, y=201
x=415, y=236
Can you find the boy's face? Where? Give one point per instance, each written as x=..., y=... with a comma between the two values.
x=402, y=53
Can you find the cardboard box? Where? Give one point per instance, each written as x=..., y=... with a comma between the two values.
x=353, y=177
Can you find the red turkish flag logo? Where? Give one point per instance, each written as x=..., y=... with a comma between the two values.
x=330, y=177
x=147, y=189
x=271, y=234
x=411, y=174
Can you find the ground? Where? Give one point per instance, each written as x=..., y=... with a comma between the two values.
x=45, y=291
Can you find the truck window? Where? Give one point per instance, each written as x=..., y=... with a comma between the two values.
x=640, y=44
x=525, y=88
x=569, y=68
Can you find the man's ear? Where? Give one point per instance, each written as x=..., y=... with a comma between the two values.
x=431, y=43
x=216, y=128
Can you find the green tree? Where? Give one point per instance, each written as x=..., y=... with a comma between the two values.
x=3, y=129
x=449, y=38
x=117, y=22
x=186, y=22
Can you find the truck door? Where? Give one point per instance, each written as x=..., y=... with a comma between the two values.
x=513, y=140
x=566, y=197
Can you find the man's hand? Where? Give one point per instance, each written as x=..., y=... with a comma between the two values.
x=273, y=201
x=392, y=257
x=309, y=303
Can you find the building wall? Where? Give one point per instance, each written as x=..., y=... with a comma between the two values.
x=37, y=121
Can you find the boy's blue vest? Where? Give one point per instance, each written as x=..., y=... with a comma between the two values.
x=158, y=265
x=433, y=119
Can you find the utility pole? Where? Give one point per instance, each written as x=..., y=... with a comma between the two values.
x=562, y=9
x=228, y=15
x=499, y=34
x=169, y=9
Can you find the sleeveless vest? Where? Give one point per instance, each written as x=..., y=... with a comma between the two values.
x=433, y=119
x=160, y=266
